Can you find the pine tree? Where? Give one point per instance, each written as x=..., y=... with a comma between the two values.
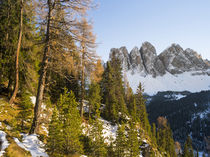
x=9, y=21
x=28, y=58
x=188, y=150
x=133, y=141
x=164, y=137
x=98, y=147
x=25, y=111
x=66, y=122
x=109, y=97
x=113, y=91
x=141, y=109
x=154, y=140
x=121, y=145
x=55, y=137
x=94, y=98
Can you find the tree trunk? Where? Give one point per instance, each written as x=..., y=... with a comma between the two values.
x=82, y=84
x=17, y=56
x=42, y=78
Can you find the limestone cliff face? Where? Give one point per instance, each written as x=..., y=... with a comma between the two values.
x=145, y=61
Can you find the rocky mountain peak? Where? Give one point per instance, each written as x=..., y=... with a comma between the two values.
x=122, y=55
x=145, y=60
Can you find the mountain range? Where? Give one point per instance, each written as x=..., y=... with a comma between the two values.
x=176, y=84
x=174, y=69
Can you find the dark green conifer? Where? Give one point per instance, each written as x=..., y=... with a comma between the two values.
x=141, y=109
x=98, y=147
x=94, y=98
x=25, y=111
x=154, y=140
x=121, y=146
x=188, y=150
x=165, y=138
x=66, y=123
x=133, y=142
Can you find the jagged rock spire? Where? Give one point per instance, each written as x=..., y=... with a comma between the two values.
x=145, y=60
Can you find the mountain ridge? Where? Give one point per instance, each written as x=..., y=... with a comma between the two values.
x=145, y=61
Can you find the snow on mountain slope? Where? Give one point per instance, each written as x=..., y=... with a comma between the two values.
x=187, y=81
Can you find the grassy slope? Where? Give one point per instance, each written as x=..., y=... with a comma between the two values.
x=7, y=118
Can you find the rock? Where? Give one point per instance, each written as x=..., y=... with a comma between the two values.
x=122, y=55
x=151, y=61
x=196, y=59
x=175, y=60
x=136, y=62
x=145, y=61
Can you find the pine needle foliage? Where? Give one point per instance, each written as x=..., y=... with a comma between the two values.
x=65, y=127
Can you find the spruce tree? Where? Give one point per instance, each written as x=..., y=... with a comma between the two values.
x=188, y=150
x=154, y=140
x=165, y=138
x=133, y=141
x=25, y=111
x=66, y=122
x=109, y=97
x=55, y=136
x=98, y=147
x=141, y=109
x=113, y=91
x=94, y=98
x=121, y=146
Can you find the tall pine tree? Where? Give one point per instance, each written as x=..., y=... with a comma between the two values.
x=65, y=127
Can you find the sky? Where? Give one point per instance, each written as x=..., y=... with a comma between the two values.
x=129, y=23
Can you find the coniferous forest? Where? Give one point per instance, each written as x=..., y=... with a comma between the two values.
x=47, y=54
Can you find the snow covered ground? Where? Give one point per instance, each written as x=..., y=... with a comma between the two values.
x=108, y=130
x=32, y=144
x=4, y=141
x=187, y=81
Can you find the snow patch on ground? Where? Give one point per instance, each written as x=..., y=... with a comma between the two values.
x=187, y=81
x=32, y=144
x=109, y=130
x=4, y=141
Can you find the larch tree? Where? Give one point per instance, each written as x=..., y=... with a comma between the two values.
x=87, y=54
x=70, y=10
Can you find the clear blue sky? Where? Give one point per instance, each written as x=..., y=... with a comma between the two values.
x=162, y=22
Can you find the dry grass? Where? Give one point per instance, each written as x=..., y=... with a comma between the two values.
x=14, y=150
